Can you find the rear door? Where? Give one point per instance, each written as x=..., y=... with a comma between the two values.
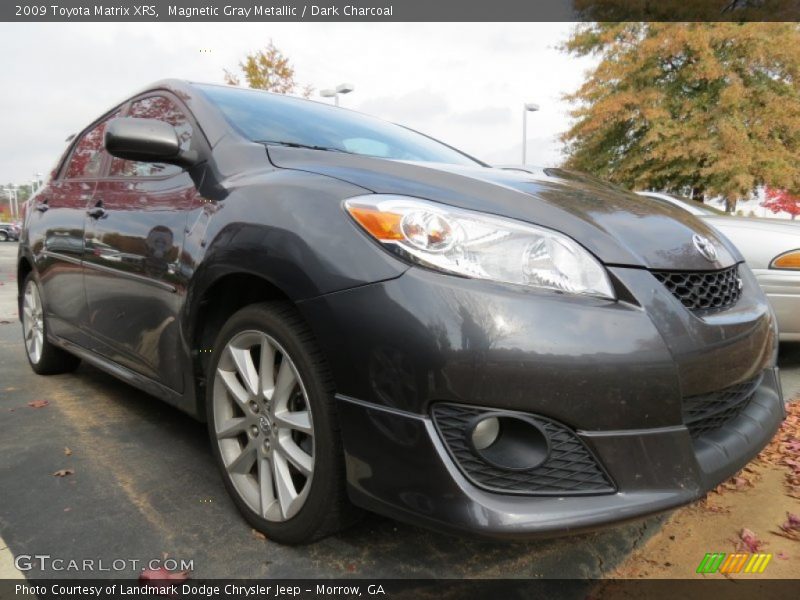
x=134, y=235
x=55, y=229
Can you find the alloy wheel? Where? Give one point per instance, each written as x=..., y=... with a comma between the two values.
x=263, y=425
x=33, y=322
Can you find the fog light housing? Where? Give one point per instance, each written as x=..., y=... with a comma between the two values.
x=509, y=442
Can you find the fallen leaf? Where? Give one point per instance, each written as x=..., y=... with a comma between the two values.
x=38, y=403
x=162, y=574
x=749, y=540
x=67, y=451
x=258, y=535
x=64, y=472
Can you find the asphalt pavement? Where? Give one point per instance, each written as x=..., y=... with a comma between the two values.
x=144, y=486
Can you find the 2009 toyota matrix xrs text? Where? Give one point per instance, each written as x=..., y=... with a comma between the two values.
x=367, y=317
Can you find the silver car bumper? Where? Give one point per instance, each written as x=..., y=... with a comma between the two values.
x=783, y=291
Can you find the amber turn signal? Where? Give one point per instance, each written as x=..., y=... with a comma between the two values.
x=383, y=226
x=790, y=260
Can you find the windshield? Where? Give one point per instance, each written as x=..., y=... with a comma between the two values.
x=284, y=120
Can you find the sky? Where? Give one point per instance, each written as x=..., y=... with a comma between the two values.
x=462, y=83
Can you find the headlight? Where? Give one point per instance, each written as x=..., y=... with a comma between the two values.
x=787, y=260
x=478, y=245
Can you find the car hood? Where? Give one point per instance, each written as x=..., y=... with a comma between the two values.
x=615, y=225
x=781, y=226
x=759, y=240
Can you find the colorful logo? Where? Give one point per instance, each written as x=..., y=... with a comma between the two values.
x=738, y=562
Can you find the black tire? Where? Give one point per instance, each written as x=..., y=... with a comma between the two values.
x=3, y=236
x=326, y=508
x=51, y=359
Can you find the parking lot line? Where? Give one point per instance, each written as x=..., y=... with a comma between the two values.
x=7, y=568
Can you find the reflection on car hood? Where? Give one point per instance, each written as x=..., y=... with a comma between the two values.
x=613, y=224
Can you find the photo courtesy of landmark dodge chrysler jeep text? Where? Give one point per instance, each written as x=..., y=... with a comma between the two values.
x=369, y=318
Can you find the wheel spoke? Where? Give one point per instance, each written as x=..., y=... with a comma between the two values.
x=287, y=495
x=247, y=370
x=233, y=386
x=283, y=386
x=265, y=485
x=244, y=462
x=295, y=454
x=266, y=370
x=299, y=421
x=232, y=428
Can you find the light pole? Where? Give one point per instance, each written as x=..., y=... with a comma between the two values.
x=526, y=108
x=342, y=88
x=35, y=182
x=13, y=205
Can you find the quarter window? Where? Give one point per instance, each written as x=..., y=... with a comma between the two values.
x=163, y=109
x=87, y=157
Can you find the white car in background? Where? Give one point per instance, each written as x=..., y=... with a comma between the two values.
x=771, y=248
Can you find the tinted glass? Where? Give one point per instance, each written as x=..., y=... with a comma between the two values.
x=263, y=117
x=87, y=157
x=163, y=109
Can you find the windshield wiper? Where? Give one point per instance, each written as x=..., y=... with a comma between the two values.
x=298, y=145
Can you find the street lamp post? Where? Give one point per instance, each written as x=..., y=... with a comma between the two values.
x=342, y=88
x=526, y=108
x=13, y=204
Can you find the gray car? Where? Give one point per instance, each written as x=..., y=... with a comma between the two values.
x=8, y=231
x=366, y=317
x=771, y=248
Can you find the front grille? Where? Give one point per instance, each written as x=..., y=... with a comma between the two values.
x=570, y=469
x=707, y=412
x=703, y=290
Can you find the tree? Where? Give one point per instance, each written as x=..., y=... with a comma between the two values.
x=270, y=70
x=698, y=108
x=782, y=201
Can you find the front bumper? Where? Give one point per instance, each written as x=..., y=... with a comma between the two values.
x=398, y=466
x=615, y=373
x=782, y=288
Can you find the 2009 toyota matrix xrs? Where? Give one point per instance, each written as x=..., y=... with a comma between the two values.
x=367, y=317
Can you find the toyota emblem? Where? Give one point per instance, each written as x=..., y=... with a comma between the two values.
x=705, y=247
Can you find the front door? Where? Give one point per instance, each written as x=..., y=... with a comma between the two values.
x=134, y=235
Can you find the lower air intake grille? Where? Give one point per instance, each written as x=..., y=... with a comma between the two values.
x=703, y=290
x=570, y=468
x=707, y=412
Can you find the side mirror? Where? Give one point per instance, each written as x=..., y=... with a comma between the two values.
x=146, y=140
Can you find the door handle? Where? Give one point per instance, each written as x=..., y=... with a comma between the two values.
x=96, y=212
x=42, y=206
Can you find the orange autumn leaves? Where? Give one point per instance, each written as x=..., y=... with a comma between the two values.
x=711, y=108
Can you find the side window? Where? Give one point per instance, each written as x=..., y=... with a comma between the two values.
x=87, y=157
x=163, y=109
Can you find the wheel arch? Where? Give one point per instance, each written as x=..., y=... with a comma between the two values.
x=210, y=307
x=24, y=268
